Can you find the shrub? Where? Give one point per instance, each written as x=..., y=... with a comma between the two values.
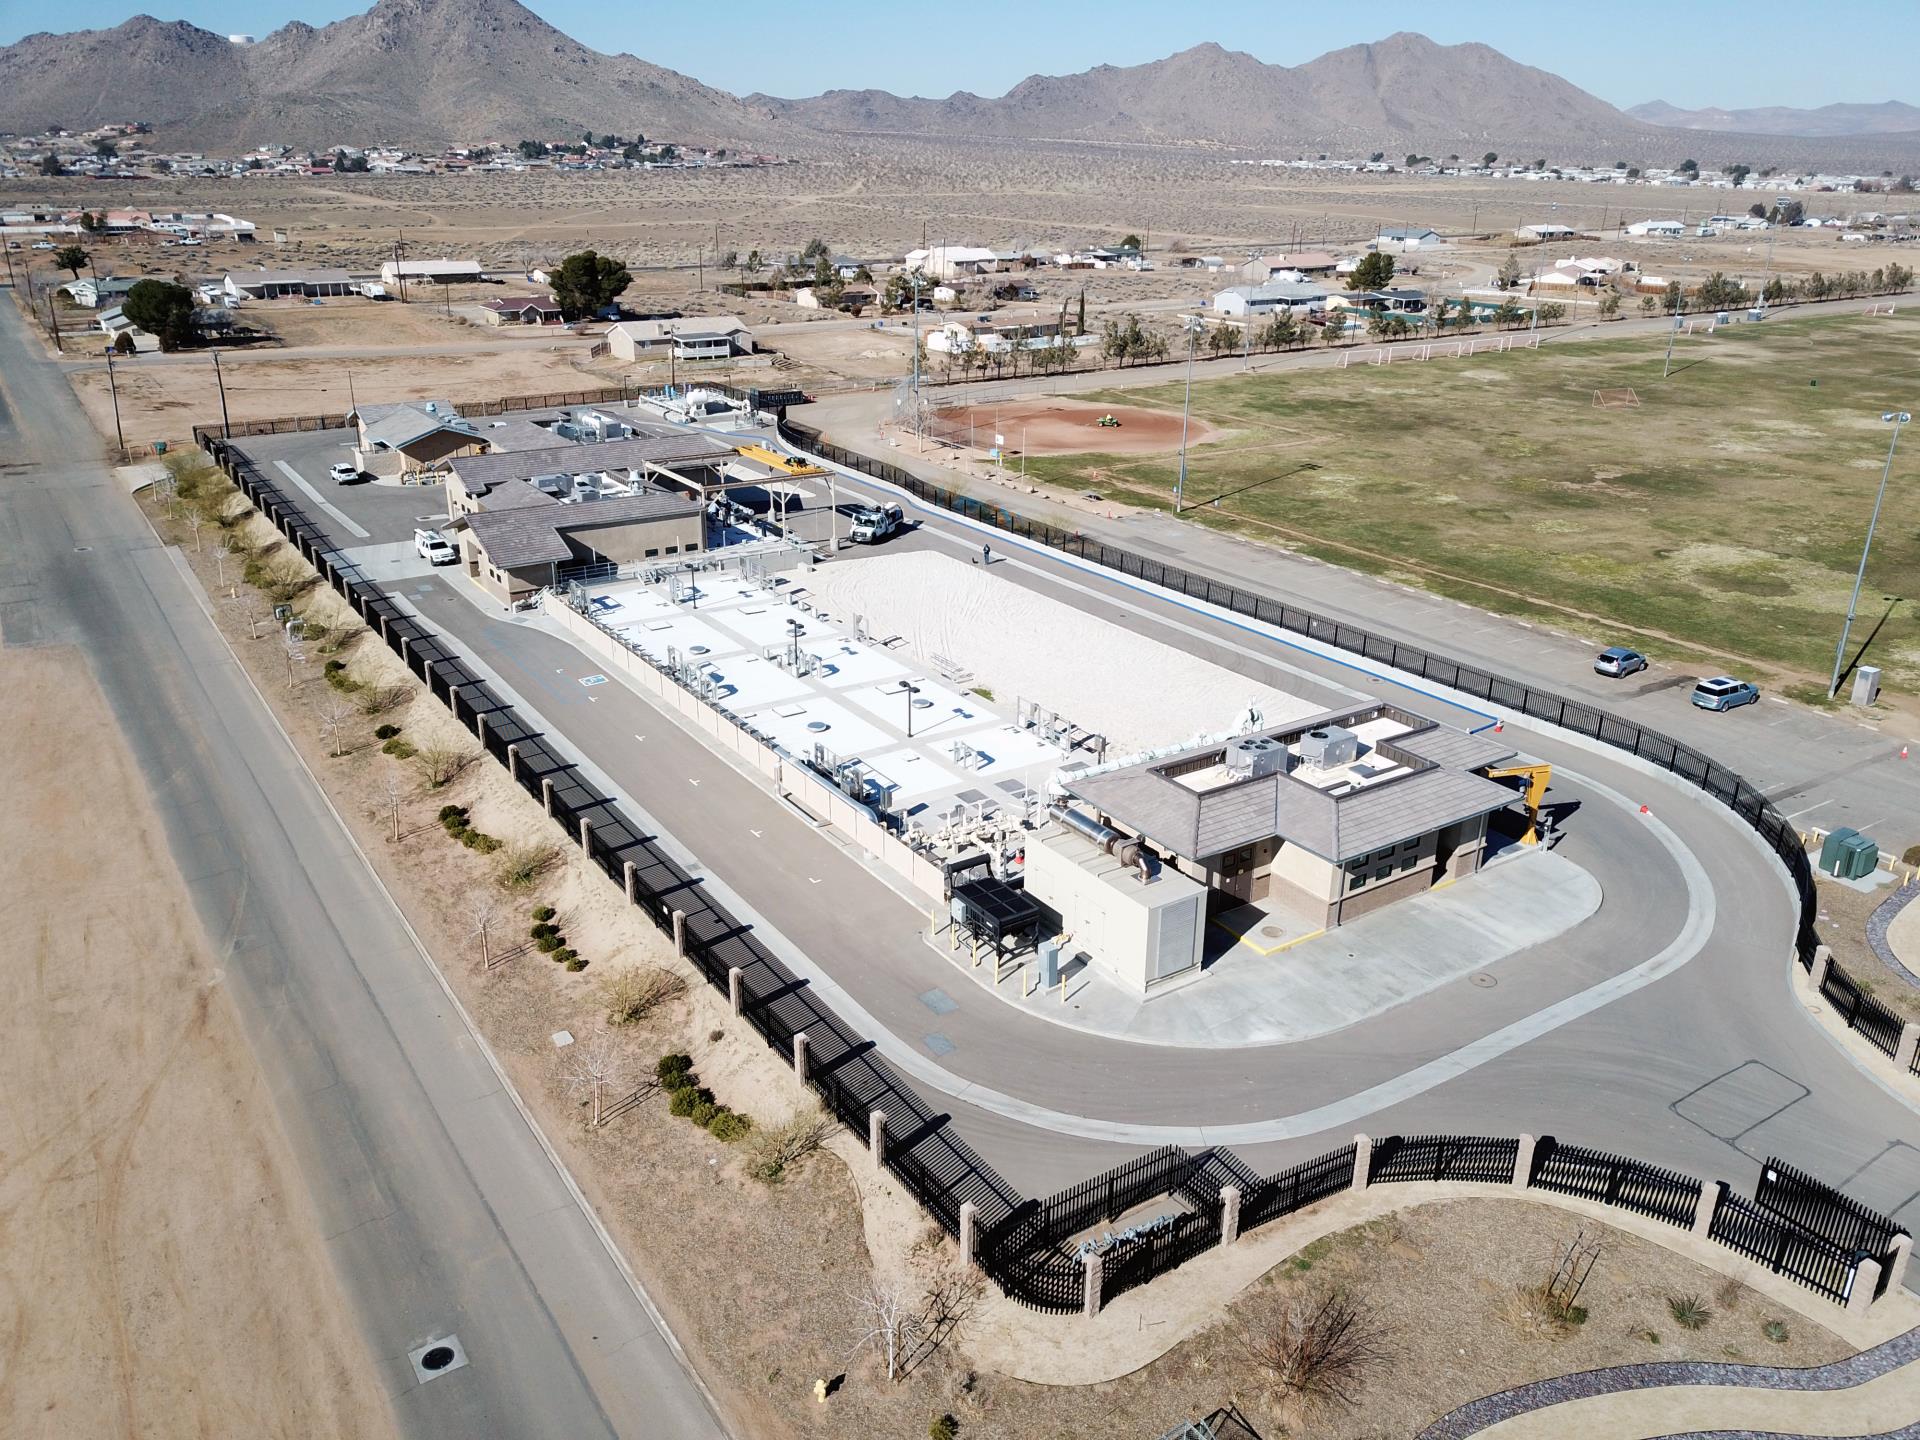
x=778, y=1150
x=447, y=812
x=398, y=748
x=683, y=1100
x=385, y=732
x=575, y=963
x=1316, y=1351
x=943, y=1427
x=485, y=844
x=564, y=955
x=1911, y=855
x=520, y=865
x=334, y=667
x=670, y=1067
x=547, y=944
x=471, y=838
x=543, y=928
x=714, y=1037
x=728, y=1125
x=1689, y=1311
x=438, y=764
x=377, y=699
x=543, y=913
x=1775, y=1331
x=631, y=995
x=703, y=1113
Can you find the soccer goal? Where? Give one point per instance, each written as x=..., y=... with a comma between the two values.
x=1621, y=399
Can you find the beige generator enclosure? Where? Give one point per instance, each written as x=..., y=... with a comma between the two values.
x=1140, y=923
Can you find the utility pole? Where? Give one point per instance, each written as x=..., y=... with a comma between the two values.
x=1672, y=330
x=919, y=429
x=114, y=386
x=226, y=423
x=53, y=323
x=399, y=266
x=700, y=267
x=1895, y=418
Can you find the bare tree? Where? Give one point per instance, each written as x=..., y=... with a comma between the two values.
x=483, y=920
x=1316, y=1352
x=296, y=656
x=335, y=712
x=392, y=791
x=893, y=1324
x=196, y=522
x=438, y=764
x=592, y=1067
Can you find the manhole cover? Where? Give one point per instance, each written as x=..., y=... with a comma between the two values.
x=818, y=725
x=1485, y=982
x=1272, y=932
x=437, y=1358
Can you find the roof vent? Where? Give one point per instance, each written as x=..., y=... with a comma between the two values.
x=1254, y=757
x=1328, y=748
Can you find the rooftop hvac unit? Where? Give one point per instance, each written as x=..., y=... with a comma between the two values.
x=1254, y=757
x=1328, y=748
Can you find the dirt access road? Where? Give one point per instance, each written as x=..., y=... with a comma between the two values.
x=160, y=1272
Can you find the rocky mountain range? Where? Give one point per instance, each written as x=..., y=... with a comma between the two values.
x=1889, y=117
x=433, y=72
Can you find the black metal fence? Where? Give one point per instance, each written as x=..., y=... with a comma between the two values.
x=1022, y=1244
x=1818, y=1208
x=1614, y=1180
x=1783, y=1247
x=1443, y=1157
x=1879, y=1026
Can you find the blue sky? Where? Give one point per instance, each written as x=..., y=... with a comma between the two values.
x=1694, y=52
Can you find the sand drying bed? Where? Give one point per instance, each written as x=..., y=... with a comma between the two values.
x=1137, y=692
x=1067, y=427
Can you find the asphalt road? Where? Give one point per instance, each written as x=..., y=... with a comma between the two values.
x=443, y=1213
x=1691, y=1051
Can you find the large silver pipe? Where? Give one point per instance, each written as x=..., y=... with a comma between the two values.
x=1123, y=848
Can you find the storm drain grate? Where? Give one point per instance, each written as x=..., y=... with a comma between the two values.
x=437, y=1357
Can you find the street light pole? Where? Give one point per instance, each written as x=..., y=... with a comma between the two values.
x=1192, y=326
x=910, y=690
x=1895, y=418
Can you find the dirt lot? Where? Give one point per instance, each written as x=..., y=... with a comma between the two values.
x=1067, y=427
x=155, y=1244
x=767, y=1301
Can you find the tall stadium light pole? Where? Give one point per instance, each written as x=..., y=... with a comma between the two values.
x=1895, y=418
x=919, y=429
x=1672, y=330
x=1192, y=325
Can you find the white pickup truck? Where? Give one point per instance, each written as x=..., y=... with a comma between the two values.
x=874, y=523
x=433, y=547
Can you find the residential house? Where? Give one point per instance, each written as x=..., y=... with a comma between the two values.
x=1255, y=300
x=952, y=262
x=521, y=310
x=636, y=340
x=1407, y=239
x=1657, y=229
x=1547, y=231
x=279, y=284
x=93, y=292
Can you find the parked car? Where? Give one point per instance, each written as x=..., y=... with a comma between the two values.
x=344, y=474
x=433, y=547
x=1723, y=692
x=1617, y=662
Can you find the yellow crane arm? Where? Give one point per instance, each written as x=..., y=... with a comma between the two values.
x=1537, y=777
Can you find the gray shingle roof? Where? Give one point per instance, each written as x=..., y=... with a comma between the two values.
x=478, y=474
x=536, y=534
x=1439, y=790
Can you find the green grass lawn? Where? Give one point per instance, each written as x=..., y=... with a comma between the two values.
x=1719, y=520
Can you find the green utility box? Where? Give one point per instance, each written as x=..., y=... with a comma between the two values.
x=1848, y=855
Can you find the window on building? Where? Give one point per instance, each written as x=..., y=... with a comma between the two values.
x=673, y=549
x=1383, y=872
x=654, y=553
x=1355, y=880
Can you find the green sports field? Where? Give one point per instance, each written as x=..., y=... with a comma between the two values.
x=1718, y=519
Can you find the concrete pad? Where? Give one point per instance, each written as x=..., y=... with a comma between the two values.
x=1341, y=977
x=395, y=561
